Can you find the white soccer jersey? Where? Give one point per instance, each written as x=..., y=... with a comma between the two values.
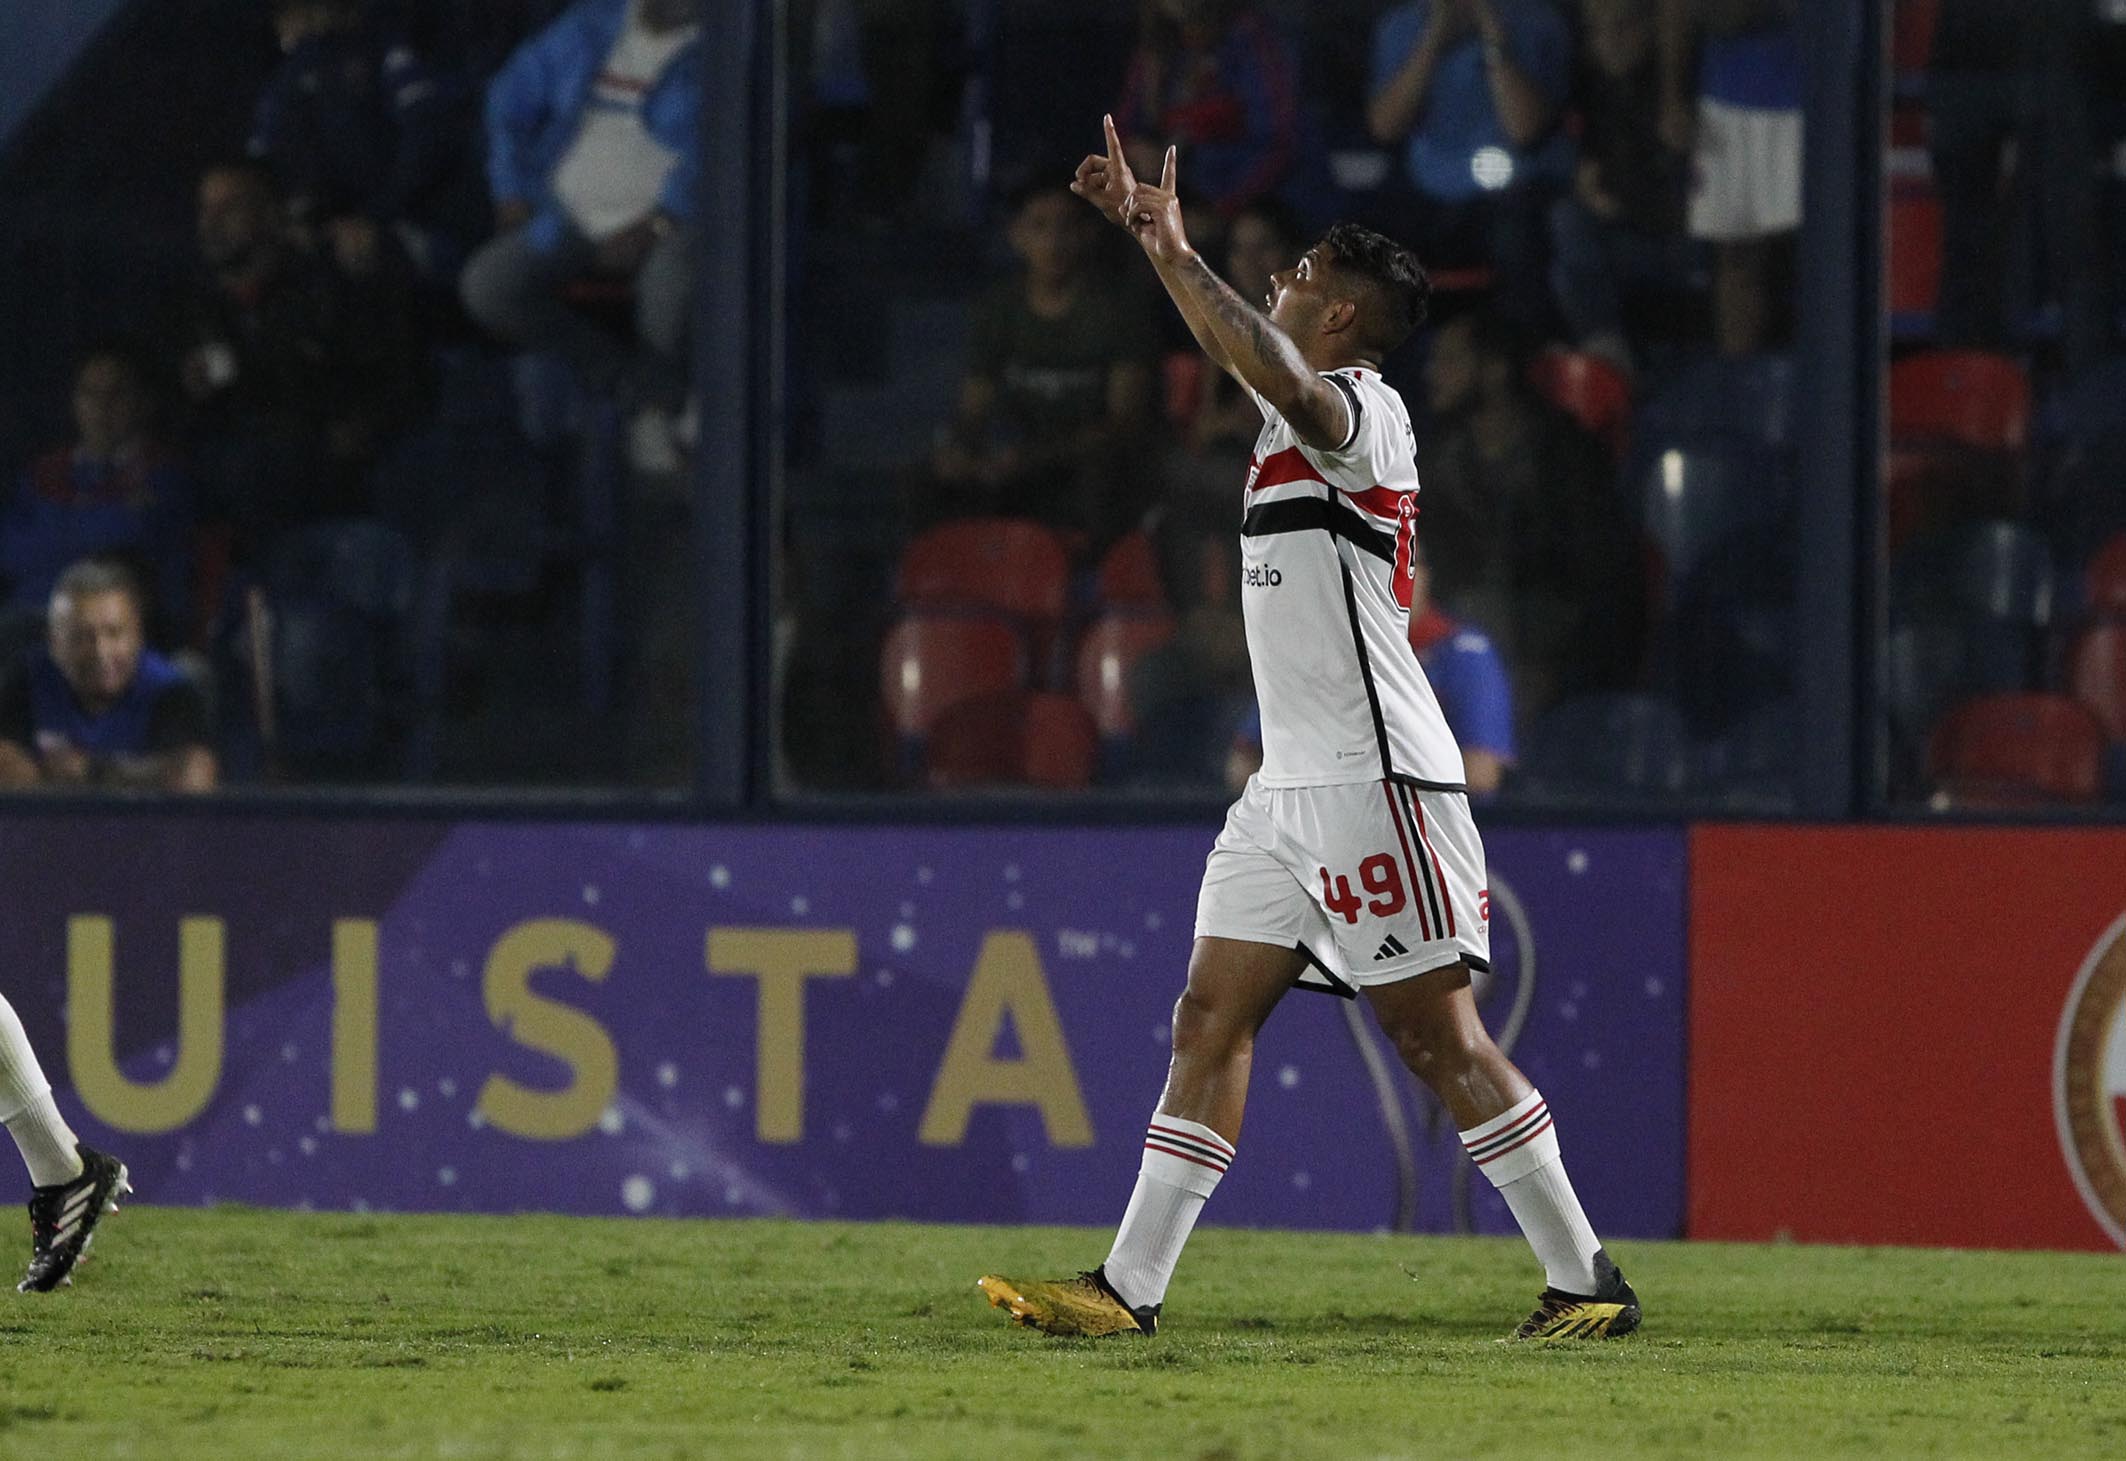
x=1325, y=585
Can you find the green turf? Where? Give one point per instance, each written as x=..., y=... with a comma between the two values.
x=237, y=1333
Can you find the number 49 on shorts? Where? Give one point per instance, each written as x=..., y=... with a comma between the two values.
x=1377, y=875
x=1381, y=876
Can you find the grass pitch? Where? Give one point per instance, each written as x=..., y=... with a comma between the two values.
x=238, y=1333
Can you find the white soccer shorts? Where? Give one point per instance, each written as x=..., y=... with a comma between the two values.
x=1374, y=881
x=1747, y=181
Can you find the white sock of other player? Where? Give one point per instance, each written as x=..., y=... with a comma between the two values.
x=26, y=1108
x=1183, y=1161
x=1518, y=1151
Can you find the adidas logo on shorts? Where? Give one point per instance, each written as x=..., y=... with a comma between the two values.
x=1391, y=947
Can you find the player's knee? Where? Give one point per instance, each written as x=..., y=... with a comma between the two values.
x=1437, y=1049
x=1205, y=1025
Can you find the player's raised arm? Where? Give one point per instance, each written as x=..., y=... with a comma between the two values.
x=1235, y=334
x=1105, y=180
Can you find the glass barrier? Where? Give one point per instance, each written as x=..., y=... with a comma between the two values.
x=2003, y=670
x=1009, y=537
x=345, y=420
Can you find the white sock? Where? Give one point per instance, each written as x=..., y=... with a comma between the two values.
x=1518, y=1151
x=26, y=1108
x=1183, y=1161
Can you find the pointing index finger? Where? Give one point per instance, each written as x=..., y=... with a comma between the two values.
x=1166, y=173
x=1115, y=158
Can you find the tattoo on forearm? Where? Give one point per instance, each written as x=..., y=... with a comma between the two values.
x=1247, y=327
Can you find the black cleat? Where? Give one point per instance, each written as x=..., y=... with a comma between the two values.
x=63, y=1218
x=1610, y=1312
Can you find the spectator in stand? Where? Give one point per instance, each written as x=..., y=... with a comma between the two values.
x=1058, y=395
x=1622, y=223
x=296, y=372
x=366, y=138
x=113, y=492
x=1468, y=677
x=1520, y=519
x=1217, y=78
x=1472, y=91
x=1185, y=691
x=1731, y=100
x=1264, y=237
x=95, y=707
x=2009, y=92
x=593, y=132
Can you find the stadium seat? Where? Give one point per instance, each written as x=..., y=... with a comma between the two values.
x=1923, y=672
x=1915, y=253
x=2004, y=573
x=1609, y=745
x=1591, y=389
x=2096, y=673
x=1129, y=575
x=340, y=596
x=1181, y=380
x=1106, y=656
x=1933, y=484
x=2011, y=750
x=931, y=662
x=1973, y=397
x=1014, y=738
x=1912, y=36
x=2104, y=580
x=1757, y=758
x=1733, y=631
x=1748, y=398
x=1008, y=565
x=1693, y=498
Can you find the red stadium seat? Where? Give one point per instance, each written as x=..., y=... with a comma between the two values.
x=2012, y=750
x=1181, y=378
x=1931, y=484
x=1006, y=564
x=1129, y=574
x=1915, y=253
x=1106, y=655
x=1016, y=738
x=1972, y=397
x=2096, y=672
x=1592, y=390
x=1912, y=40
x=932, y=662
x=2104, y=582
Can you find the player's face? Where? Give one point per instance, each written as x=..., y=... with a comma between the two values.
x=96, y=642
x=1299, y=294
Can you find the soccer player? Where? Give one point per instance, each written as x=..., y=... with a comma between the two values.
x=75, y=1184
x=1350, y=862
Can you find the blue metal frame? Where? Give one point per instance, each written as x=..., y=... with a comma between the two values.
x=733, y=316
x=1839, y=319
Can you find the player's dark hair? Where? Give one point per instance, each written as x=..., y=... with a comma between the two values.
x=1402, y=292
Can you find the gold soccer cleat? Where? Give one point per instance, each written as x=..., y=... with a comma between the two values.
x=1610, y=1312
x=1081, y=1305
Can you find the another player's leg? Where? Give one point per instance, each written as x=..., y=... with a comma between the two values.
x=1232, y=987
x=1506, y=1128
x=75, y=1185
